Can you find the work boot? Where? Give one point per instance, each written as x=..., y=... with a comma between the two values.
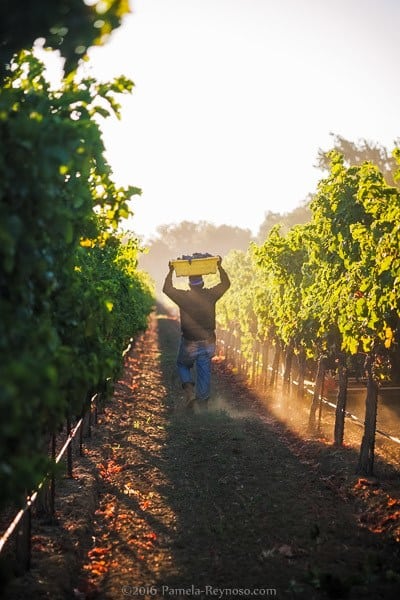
x=188, y=393
x=202, y=404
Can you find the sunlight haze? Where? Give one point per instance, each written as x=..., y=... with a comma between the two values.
x=234, y=98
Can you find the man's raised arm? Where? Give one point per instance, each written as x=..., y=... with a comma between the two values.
x=168, y=286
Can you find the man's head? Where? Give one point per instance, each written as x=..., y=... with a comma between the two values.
x=196, y=281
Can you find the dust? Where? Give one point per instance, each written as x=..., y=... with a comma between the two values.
x=219, y=404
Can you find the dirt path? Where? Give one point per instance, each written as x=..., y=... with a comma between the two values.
x=223, y=503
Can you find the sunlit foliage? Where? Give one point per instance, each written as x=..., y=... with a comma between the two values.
x=71, y=296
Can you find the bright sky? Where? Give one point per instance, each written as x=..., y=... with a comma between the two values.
x=234, y=98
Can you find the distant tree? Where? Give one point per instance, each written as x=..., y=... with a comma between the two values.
x=187, y=237
x=70, y=26
x=173, y=240
x=298, y=216
x=355, y=154
x=270, y=220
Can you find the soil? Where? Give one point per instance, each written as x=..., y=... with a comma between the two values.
x=238, y=500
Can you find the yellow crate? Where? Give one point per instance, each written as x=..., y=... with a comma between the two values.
x=195, y=266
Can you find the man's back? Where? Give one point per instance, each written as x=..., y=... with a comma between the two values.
x=197, y=311
x=197, y=306
x=197, y=344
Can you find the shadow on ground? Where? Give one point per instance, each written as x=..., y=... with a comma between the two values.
x=250, y=514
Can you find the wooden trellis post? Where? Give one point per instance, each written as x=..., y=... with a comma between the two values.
x=301, y=374
x=23, y=542
x=319, y=379
x=287, y=374
x=275, y=365
x=254, y=362
x=341, y=402
x=264, y=372
x=367, y=450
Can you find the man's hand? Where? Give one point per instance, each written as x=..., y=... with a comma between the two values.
x=219, y=261
x=170, y=266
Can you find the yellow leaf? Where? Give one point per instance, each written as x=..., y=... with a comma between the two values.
x=109, y=305
x=388, y=337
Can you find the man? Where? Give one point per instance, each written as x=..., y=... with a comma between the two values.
x=197, y=345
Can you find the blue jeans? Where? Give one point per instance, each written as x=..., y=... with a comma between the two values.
x=199, y=354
